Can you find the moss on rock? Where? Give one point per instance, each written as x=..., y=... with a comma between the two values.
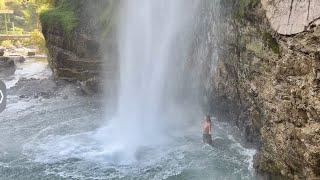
x=243, y=8
x=271, y=42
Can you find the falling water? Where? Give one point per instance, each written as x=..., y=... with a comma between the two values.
x=150, y=32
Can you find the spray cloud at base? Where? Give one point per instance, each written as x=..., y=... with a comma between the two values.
x=154, y=39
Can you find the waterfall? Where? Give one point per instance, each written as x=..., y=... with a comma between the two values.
x=154, y=39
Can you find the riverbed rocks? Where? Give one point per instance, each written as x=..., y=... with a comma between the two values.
x=2, y=51
x=38, y=89
x=17, y=58
x=31, y=53
x=34, y=88
x=7, y=66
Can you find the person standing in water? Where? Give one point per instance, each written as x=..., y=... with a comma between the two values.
x=206, y=130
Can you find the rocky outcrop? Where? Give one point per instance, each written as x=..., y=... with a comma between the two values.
x=8, y=63
x=76, y=54
x=1, y=51
x=289, y=17
x=268, y=84
x=7, y=66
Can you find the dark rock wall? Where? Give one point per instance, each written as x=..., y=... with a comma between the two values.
x=79, y=55
x=268, y=85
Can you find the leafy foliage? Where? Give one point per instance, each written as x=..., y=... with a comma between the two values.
x=62, y=15
x=243, y=8
x=38, y=39
x=26, y=21
x=6, y=43
x=271, y=42
x=2, y=4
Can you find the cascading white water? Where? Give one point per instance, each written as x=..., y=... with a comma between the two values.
x=149, y=59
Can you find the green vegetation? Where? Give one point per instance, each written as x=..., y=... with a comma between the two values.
x=6, y=43
x=62, y=15
x=2, y=4
x=107, y=19
x=243, y=8
x=255, y=47
x=24, y=20
x=38, y=39
x=26, y=12
x=271, y=42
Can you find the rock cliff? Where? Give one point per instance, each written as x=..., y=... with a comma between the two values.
x=289, y=17
x=78, y=36
x=267, y=83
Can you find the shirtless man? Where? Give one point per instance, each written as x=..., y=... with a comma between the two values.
x=206, y=129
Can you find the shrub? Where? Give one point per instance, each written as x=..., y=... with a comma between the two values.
x=6, y=43
x=62, y=15
x=271, y=42
x=2, y=4
x=38, y=40
x=244, y=8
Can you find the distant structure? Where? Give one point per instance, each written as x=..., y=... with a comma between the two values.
x=6, y=16
x=6, y=33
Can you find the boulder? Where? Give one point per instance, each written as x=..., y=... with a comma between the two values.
x=18, y=59
x=31, y=53
x=7, y=66
x=1, y=52
x=34, y=88
x=289, y=17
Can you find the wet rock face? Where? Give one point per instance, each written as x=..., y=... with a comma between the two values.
x=289, y=17
x=290, y=133
x=268, y=85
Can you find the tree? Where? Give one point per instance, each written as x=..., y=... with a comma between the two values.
x=2, y=4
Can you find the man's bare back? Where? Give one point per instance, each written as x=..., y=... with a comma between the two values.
x=206, y=130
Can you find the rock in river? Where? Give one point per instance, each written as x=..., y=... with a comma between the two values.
x=7, y=66
x=17, y=58
x=1, y=52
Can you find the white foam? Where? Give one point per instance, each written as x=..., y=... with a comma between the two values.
x=249, y=153
x=32, y=68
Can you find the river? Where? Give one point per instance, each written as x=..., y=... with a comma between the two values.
x=55, y=138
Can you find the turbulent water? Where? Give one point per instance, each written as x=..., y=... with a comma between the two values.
x=56, y=138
